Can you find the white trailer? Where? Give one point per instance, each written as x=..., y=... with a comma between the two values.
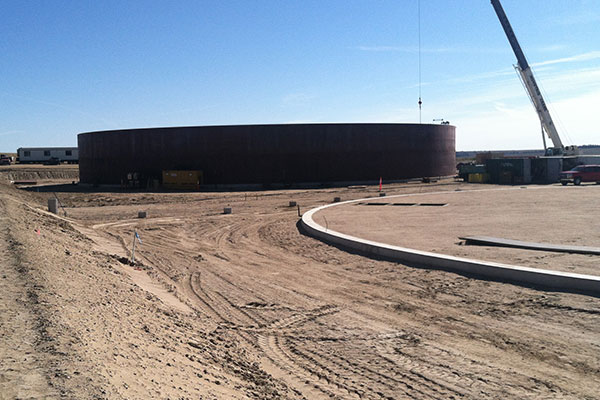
x=31, y=155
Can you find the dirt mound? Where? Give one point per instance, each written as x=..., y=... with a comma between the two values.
x=26, y=173
x=74, y=325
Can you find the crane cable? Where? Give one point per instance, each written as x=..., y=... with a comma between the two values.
x=420, y=101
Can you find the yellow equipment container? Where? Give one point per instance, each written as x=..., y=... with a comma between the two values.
x=182, y=180
x=479, y=178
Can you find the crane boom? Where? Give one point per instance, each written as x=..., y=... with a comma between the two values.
x=528, y=80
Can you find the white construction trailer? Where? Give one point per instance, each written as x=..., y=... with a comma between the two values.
x=48, y=155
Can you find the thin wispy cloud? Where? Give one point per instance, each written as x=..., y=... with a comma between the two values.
x=576, y=19
x=501, y=73
x=581, y=75
x=428, y=50
x=552, y=48
x=592, y=55
x=574, y=79
x=186, y=111
x=560, y=85
x=506, y=124
x=59, y=106
x=297, y=99
x=406, y=49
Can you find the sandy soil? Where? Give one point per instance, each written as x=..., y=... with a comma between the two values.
x=246, y=306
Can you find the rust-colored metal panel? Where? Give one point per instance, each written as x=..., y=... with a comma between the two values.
x=270, y=154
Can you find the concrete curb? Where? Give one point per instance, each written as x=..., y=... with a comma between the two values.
x=562, y=281
x=519, y=244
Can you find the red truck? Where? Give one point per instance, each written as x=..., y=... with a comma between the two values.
x=581, y=173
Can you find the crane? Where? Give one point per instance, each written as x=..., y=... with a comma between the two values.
x=535, y=95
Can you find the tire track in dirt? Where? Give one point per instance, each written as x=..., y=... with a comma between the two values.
x=23, y=373
x=205, y=306
x=388, y=378
x=282, y=356
x=453, y=371
x=418, y=379
x=303, y=317
x=218, y=285
x=344, y=358
x=225, y=320
x=301, y=378
x=214, y=304
x=227, y=239
x=261, y=259
x=339, y=374
x=281, y=359
x=254, y=321
x=210, y=310
x=442, y=380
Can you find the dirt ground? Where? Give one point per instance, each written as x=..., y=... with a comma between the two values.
x=246, y=306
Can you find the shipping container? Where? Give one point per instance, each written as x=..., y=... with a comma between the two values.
x=546, y=169
x=509, y=171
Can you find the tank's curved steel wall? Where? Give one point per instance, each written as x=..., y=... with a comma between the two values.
x=264, y=154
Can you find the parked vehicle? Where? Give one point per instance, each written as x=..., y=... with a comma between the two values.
x=5, y=160
x=581, y=173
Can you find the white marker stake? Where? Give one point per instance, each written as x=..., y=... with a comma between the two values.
x=135, y=236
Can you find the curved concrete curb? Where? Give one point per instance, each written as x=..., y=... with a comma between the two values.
x=563, y=281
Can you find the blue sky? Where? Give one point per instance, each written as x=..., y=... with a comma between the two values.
x=68, y=67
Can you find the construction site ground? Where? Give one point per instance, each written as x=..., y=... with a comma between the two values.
x=246, y=306
x=435, y=221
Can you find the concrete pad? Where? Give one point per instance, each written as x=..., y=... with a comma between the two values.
x=564, y=281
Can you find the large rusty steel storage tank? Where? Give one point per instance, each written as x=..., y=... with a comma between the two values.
x=271, y=154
